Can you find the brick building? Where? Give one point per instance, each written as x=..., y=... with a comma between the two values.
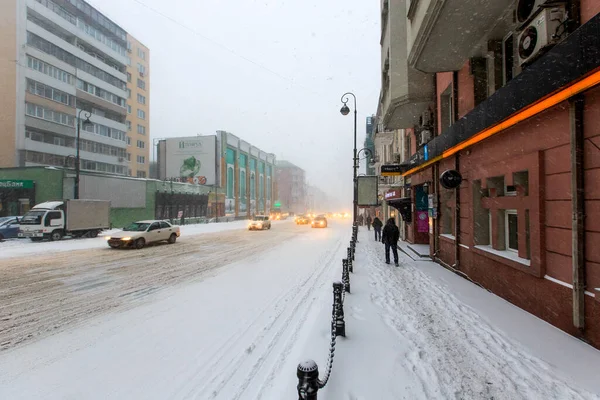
x=513, y=104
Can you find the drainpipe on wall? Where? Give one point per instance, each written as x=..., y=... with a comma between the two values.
x=457, y=217
x=576, y=105
x=436, y=231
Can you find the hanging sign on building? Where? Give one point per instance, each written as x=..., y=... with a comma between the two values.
x=368, y=192
x=391, y=170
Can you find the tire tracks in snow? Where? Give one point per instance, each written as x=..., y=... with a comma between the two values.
x=455, y=353
x=226, y=362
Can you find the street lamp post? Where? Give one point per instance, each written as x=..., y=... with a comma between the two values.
x=345, y=111
x=87, y=122
x=366, y=150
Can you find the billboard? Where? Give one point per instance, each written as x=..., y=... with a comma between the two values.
x=367, y=188
x=191, y=159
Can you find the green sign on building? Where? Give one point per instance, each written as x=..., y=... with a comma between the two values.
x=277, y=204
x=16, y=184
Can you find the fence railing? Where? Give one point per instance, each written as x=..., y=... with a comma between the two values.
x=308, y=371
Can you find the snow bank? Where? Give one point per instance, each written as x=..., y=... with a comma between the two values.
x=22, y=247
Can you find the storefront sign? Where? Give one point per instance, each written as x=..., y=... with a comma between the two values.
x=16, y=184
x=392, y=194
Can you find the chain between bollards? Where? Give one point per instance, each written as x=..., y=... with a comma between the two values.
x=308, y=371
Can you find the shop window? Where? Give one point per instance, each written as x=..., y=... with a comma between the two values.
x=447, y=212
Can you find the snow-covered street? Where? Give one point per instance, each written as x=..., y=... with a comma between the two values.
x=228, y=315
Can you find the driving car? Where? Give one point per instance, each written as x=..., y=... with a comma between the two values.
x=140, y=233
x=319, y=222
x=302, y=220
x=9, y=227
x=259, y=222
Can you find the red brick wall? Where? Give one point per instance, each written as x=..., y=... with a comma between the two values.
x=466, y=90
x=592, y=186
x=542, y=297
x=443, y=80
x=589, y=8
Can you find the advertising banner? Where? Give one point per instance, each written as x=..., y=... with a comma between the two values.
x=191, y=160
x=422, y=221
x=368, y=191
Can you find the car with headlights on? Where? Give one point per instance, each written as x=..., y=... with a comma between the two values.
x=319, y=222
x=302, y=220
x=259, y=222
x=139, y=234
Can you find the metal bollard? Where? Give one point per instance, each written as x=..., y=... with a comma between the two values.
x=308, y=380
x=338, y=309
x=345, y=275
x=349, y=257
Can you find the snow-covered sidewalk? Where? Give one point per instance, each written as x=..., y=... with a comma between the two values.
x=418, y=331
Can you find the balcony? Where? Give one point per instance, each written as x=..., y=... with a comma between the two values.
x=405, y=92
x=444, y=33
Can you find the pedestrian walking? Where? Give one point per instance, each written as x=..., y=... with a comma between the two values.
x=369, y=222
x=360, y=220
x=390, y=237
x=377, y=224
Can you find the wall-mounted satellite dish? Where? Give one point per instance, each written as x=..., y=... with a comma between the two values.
x=450, y=179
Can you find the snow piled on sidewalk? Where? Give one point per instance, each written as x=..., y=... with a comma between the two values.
x=23, y=247
x=419, y=331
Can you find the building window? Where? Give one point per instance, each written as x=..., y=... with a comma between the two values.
x=511, y=226
x=447, y=108
x=141, y=69
x=128, y=93
x=128, y=140
x=129, y=47
x=141, y=144
x=103, y=94
x=50, y=70
x=33, y=110
x=141, y=54
x=141, y=160
x=508, y=57
x=141, y=174
x=128, y=77
x=141, y=84
x=128, y=60
x=141, y=129
x=141, y=114
x=128, y=125
x=141, y=99
x=128, y=109
x=50, y=93
x=128, y=157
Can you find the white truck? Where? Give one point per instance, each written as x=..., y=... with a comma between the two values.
x=76, y=218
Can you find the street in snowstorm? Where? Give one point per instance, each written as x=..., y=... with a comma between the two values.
x=229, y=315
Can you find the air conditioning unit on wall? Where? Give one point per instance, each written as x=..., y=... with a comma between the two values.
x=543, y=31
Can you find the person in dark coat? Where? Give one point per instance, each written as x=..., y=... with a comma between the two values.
x=360, y=220
x=390, y=237
x=369, y=222
x=377, y=224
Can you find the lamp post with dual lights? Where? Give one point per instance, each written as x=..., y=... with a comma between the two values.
x=345, y=110
x=87, y=122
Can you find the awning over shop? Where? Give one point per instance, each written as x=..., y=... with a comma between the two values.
x=403, y=205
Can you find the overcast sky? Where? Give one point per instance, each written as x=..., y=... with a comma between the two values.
x=271, y=72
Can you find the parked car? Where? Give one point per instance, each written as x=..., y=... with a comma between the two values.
x=259, y=222
x=319, y=222
x=141, y=233
x=9, y=228
x=302, y=220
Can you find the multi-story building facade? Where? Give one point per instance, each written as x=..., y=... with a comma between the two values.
x=138, y=108
x=370, y=145
x=60, y=60
x=512, y=103
x=291, y=186
x=241, y=176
